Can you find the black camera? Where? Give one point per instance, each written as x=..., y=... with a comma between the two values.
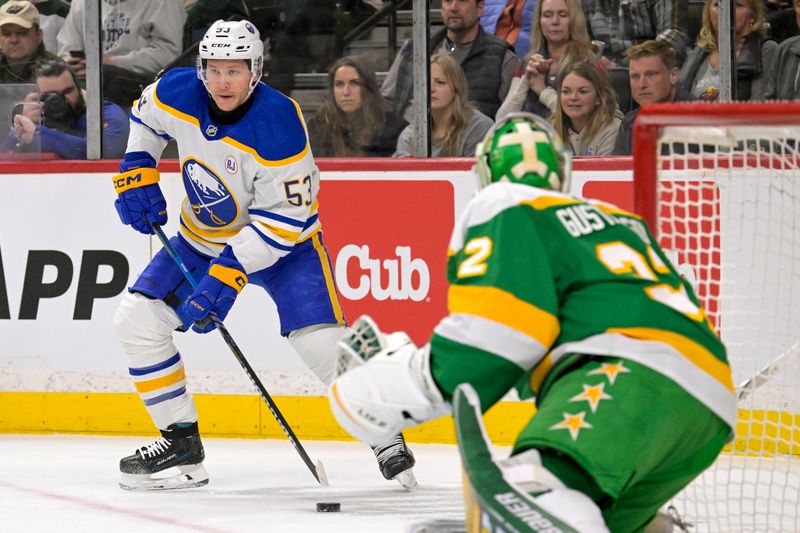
x=57, y=112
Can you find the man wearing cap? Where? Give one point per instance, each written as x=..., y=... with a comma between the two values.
x=20, y=42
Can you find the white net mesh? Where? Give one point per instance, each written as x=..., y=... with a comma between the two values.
x=727, y=202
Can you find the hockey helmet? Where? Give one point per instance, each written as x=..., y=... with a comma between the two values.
x=523, y=148
x=232, y=40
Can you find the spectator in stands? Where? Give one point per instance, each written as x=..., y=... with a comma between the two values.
x=654, y=74
x=456, y=125
x=139, y=39
x=588, y=117
x=488, y=61
x=559, y=38
x=619, y=24
x=55, y=118
x=511, y=20
x=51, y=17
x=783, y=79
x=754, y=54
x=20, y=42
x=783, y=20
x=353, y=120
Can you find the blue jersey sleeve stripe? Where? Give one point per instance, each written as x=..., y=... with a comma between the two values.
x=139, y=121
x=155, y=368
x=271, y=242
x=311, y=220
x=277, y=218
x=164, y=397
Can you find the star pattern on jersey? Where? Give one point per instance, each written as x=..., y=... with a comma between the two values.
x=610, y=370
x=574, y=423
x=592, y=394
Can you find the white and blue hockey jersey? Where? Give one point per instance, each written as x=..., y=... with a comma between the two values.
x=252, y=184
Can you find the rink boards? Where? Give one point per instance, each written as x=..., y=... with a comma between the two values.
x=65, y=260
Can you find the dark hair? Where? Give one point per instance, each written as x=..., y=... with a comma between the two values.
x=52, y=68
x=368, y=120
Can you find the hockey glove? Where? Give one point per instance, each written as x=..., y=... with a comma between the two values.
x=140, y=202
x=216, y=292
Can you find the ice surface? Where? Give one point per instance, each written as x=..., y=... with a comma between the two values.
x=58, y=483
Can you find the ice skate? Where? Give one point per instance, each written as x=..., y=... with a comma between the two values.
x=396, y=462
x=173, y=461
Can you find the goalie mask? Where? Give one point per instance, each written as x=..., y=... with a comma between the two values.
x=523, y=148
x=235, y=40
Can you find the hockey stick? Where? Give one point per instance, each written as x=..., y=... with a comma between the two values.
x=317, y=471
x=766, y=373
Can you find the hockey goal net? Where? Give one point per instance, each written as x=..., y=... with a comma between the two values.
x=720, y=185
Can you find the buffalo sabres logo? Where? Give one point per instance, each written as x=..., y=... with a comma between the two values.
x=211, y=130
x=211, y=201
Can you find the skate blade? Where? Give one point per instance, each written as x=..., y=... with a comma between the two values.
x=180, y=477
x=407, y=479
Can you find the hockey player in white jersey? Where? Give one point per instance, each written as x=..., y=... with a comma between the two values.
x=250, y=216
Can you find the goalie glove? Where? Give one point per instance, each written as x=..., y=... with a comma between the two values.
x=140, y=202
x=216, y=292
x=392, y=390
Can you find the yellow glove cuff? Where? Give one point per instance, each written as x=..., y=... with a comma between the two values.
x=135, y=178
x=231, y=277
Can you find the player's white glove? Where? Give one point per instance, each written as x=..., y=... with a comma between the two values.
x=391, y=390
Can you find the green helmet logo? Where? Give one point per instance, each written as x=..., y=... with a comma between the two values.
x=523, y=148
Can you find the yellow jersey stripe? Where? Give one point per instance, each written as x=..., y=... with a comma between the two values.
x=543, y=202
x=284, y=234
x=505, y=308
x=329, y=283
x=174, y=112
x=192, y=235
x=165, y=381
x=693, y=351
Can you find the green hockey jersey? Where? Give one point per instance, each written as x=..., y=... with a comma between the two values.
x=536, y=275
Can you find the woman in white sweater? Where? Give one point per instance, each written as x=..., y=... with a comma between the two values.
x=588, y=116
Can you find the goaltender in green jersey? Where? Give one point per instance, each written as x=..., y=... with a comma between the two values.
x=633, y=389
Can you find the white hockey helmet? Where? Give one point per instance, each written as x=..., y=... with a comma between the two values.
x=232, y=40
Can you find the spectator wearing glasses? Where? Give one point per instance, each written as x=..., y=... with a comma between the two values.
x=20, y=42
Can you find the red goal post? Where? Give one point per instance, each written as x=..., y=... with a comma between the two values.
x=719, y=185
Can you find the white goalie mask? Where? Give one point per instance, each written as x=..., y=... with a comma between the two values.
x=233, y=40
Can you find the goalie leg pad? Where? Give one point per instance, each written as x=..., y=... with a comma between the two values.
x=391, y=391
x=144, y=326
x=316, y=346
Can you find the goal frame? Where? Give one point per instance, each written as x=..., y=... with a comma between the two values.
x=652, y=118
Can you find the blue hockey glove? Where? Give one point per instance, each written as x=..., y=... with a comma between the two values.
x=140, y=202
x=216, y=292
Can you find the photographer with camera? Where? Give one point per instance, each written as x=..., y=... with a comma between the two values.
x=55, y=117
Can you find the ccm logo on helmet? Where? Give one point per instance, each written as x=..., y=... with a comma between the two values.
x=399, y=275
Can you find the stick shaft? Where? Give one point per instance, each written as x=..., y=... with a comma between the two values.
x=237, y=353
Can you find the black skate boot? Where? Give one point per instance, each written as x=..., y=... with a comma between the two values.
x=173, y=461
x=396, y=461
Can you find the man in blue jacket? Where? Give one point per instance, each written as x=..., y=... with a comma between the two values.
x=55, y=118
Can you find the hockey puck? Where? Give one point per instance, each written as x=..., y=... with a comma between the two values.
x=331, y=507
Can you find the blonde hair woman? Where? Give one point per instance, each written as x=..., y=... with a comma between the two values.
x=560, y=37
x=456, y=126
x=754, y=54
x=587, y=117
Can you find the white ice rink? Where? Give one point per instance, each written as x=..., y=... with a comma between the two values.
x=68, y=484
